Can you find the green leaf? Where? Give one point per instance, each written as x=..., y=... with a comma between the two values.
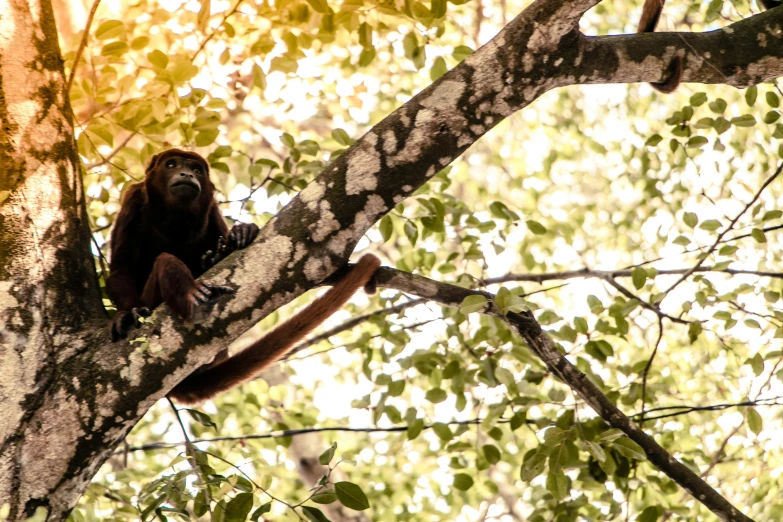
x=751, y=93
x=239, y=507
x=341, y=137
x=746, y=120
x=367, y=56
x=638, y=276
x=200, y=505
x=319, y=6
x=351, y=496
x=436, y=395
x=491, y=453
x=265, y=508
x=758, y=235
x=596, y=451
x=755, y=423
x=653, y=140
x=203, y=15
x=314, y=514
x=114, y=49
x=517, y=420
x=442, y=431
x=501, y=211
x=438, y=8
x=438, y=68
x=690, y=219
x=698, y=99
x=324, y=497
x=718, y=105
x=202, y=418
x=533, y=467
x=461, y=52
x=414, y=428
x=694, y=330
x=772, y=99
x=557, y=484
x=757, y=364
x=473, y=303
x=288, y=140
x=696, y=142
x=395, y=388
x=629, y=448
x=535, y=227
x=109, y=29
x=771, y=117
x=207, y=137
x=463, y=481
x=710, y=225
x=650, y=514
x=386, y=228
x=326, y=457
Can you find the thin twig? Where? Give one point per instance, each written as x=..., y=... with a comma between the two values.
x=730, y=226
x=647, y=367
x=110, y=155
x=82, y=45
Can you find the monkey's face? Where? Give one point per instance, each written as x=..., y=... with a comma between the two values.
x=183, y=176
x=179, y=180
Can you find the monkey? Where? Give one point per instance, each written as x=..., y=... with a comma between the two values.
x=168, y=232
x=651, y=13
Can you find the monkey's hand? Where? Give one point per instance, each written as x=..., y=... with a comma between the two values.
x=203, y=297
x=125, y=320
x=241, y=235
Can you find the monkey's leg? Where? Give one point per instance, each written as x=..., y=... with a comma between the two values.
x=172, y=283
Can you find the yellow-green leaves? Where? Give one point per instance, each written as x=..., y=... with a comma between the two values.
x=351, y=496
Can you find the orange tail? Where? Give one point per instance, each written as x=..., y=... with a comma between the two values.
x=246, y=364
x=651, y=13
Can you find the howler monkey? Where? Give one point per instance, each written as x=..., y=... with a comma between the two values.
x=651, y=13
x=168, y=232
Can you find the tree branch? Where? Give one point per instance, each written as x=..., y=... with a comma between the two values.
x=544, y=348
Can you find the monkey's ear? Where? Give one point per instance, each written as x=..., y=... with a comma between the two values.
x=153, y=163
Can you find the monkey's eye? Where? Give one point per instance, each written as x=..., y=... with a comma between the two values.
x=197, y=170
x=170, y=164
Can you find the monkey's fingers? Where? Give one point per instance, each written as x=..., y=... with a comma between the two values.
x=200, y=293
x=217, y=291
x=140, y=312
x=125, y=320
x=242, y=234
x=203, y=297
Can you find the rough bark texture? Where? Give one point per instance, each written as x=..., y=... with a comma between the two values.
x=48, y=289
x=70, y=396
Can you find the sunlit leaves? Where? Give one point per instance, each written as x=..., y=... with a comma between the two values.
x=351, y=496
x=755, y=422
x=629, y=448
x=463, y=481
x=110, y=29
x=314, y=514
x=239, y=507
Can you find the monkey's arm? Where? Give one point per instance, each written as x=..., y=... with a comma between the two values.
x=240, y=236
x=121, y=286
x=247, y=363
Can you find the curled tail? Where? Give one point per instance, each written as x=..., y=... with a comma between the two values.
x=651, y=13
x=246, y=364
